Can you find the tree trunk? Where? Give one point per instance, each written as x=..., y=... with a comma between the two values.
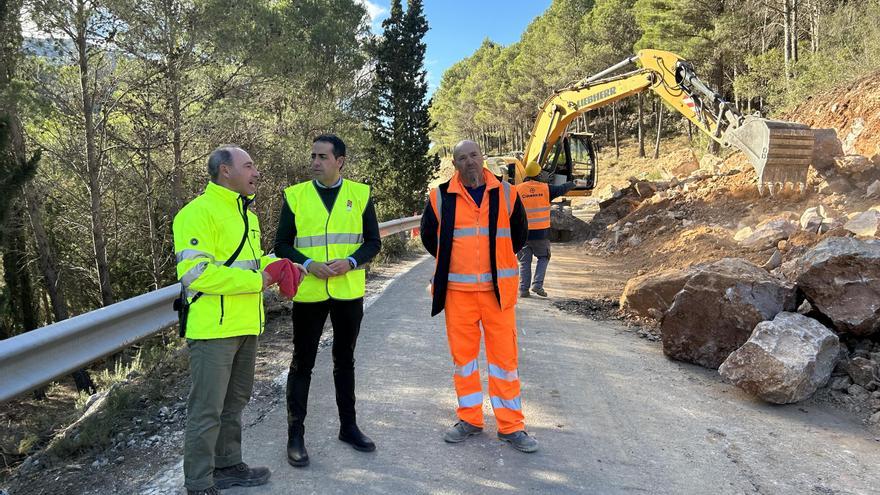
x=176, y=143
x=46, y=256
x=659, y=128
x=18, y=280
x=786, y=30
x=641, y=128
x=93, y=166
x=815, y=12
x=794, y=31
x=155, y=238
x=614, y=125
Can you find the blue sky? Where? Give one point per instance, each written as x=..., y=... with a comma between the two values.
x=458, y=27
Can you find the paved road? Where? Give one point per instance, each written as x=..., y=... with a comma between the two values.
x=612, y=415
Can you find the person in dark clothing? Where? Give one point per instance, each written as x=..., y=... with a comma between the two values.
x=328, y=225
x=536, y=197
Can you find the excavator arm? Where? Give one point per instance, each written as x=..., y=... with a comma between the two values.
x=779, y=151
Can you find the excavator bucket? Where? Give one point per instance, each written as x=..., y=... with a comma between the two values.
x=780, y=151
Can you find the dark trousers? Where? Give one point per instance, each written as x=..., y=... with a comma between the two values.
x=308, y=324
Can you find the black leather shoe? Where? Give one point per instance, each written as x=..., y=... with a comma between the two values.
x=296, y=451
x=353, y=436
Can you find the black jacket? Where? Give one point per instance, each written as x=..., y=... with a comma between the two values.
x=442, y=248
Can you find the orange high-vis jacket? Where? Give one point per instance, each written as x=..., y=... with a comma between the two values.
x=536, y=200
x=475, y=245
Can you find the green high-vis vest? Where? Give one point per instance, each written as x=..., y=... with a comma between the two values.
x=323, y=235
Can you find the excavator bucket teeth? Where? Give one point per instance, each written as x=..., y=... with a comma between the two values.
x=780, y=151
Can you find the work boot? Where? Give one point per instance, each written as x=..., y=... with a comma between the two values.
x=520, y=440
x=296, y=448
x=353, y=436
x=539, y=291
x=460, y=431
x=210, y=491
x=240, y=475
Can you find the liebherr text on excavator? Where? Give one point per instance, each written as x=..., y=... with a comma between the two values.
x=780, y=152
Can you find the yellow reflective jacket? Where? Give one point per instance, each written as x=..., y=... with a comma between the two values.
x=206, y=233
x=324, y=236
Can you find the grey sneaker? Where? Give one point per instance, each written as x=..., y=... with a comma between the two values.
x=240, y=475
x=539, y=291
x=520, y=440
x=210, y=491
x=524, y=294
x=460, y=431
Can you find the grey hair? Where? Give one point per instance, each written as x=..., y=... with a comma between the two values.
x=221, y=155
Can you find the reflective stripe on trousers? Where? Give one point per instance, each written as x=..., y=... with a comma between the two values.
x=466, y=312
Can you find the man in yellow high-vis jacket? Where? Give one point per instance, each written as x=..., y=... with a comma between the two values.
x=225, y=319
x=329, y=225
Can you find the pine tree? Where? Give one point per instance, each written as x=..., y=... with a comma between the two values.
x=399, y=167
x=17, y=305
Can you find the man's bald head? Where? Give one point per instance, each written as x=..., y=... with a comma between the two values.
x=468, y=161
x=465, y=143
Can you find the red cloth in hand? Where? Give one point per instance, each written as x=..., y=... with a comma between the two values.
x=286, y=275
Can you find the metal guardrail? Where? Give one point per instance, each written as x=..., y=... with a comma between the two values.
x=42, y=355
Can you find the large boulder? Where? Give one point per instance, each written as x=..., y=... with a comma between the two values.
x=853, y=164
x=840, y=277
x=873, y=191
x=864, y=224
x=769, y=232
x=861, y=370
x=785, y=360
x=645, y=189
x=711, y=163
x=837, y=185
x=651, y=295
x=717, y=309
x=826, y=147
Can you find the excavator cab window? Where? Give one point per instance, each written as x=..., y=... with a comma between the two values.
x=573, y=157
x=583, y=157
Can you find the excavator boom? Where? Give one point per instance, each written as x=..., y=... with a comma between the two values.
x=779, y=151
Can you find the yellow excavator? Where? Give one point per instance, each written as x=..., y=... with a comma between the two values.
x=780, y=152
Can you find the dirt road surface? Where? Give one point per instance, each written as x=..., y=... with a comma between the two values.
x=612, y=414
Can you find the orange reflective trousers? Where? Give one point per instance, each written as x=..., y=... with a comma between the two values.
x=465, y=310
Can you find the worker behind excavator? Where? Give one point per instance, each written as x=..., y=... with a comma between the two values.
x=536, y=197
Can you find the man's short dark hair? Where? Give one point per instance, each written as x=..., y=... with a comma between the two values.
x=338, y=144
x=222, y=155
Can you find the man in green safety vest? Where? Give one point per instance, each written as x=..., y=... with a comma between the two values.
x=329, y=225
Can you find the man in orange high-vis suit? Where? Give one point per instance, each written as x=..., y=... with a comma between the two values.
x=474, y=225
x=536, y=197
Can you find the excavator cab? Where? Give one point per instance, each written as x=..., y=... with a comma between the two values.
x=574, y=157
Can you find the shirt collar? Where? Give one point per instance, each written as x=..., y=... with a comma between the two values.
x=322, y=186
